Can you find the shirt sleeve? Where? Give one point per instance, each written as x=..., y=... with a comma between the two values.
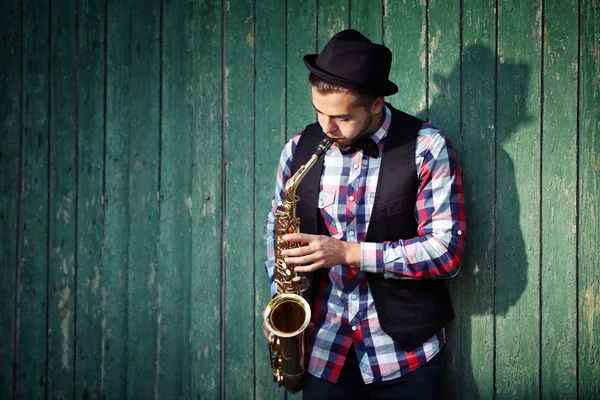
x=437, y=250
x=283, y=174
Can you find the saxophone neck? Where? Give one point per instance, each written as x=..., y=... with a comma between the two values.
x=292, y=184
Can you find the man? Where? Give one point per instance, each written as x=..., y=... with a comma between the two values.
x=383, y=223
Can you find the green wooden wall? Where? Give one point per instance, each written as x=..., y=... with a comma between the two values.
x=138, y=147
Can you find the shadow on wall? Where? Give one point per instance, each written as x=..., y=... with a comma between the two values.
x=470, y=336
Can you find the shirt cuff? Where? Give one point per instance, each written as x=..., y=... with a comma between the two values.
x=371, y=257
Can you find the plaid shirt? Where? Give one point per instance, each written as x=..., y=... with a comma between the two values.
x=343, y=311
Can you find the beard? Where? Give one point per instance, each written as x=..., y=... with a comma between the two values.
x=364, y=130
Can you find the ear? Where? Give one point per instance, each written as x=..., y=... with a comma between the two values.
x=377, y=105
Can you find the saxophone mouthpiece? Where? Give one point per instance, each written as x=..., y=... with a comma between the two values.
x=324, y=147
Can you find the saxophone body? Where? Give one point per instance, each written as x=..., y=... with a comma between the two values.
x=287, y=315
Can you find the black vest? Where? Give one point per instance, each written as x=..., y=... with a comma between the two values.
x=410, y=311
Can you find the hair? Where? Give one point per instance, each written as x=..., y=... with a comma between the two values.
x=325, y=87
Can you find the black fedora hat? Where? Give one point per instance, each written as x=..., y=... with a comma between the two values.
x=352, y=61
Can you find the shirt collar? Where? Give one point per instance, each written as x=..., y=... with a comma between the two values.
x=384, y=125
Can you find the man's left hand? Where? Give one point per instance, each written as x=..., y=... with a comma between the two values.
x=320, y=251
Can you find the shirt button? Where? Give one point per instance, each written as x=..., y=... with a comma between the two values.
x=351, y=198
x=353, y=297
x=351, y=233
x=354, y=328
x=355, y=165
x=459, y=232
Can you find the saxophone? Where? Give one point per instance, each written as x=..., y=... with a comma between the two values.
x=287, y=315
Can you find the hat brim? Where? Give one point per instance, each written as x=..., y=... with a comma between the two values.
x=387, y=89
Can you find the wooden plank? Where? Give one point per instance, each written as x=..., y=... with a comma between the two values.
x=476, y=363
x=444, y=112
x=90, y=238
x=589, y=202
x=10, y=184
x=115, y=254
x=34, y=202
x=239, y=198
x=143, y=294
x=518, y=200
x=205, y=364
x=408, y=45
x=63, y=196
x=333, y=16
x=301, y=40
x=270, y=138
x=559, y=199
x=175, y=201
x=367, y=18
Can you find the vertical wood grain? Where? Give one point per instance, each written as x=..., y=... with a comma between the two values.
x=518, y=199
x=559, y=199
x=10, y=138
x=367, y=18
x=175, y=235
x=409, y=50
x=143, y=292
x=115, y=254
x=32, y=355
x=239, y=198
x=301, y=40
x=90, y=216
x=476, y=364
x=207, y=120
x=332, y=17
x=589, y=201
x=63, y=197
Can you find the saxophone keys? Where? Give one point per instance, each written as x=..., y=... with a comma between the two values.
x=278, y=377
x=274, y=342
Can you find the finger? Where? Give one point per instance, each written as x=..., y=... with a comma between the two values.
x=308, y=259
x=299, y=237
x=298, y=251
x=309, y=268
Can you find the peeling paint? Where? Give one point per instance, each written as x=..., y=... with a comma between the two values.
x=65, y=214
x=250, y=33
x=152, y=275
x=158, y=341
x=96, y=281
x=188, y=204
x=65, y=316
x=103, y=349
x=592, y=299
x=121, y=279
x=138, y=165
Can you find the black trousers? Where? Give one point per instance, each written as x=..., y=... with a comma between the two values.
x=424, y=383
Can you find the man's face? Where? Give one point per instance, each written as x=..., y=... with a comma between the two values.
x=343, y=120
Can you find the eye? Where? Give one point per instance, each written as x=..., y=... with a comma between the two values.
x=344, y=119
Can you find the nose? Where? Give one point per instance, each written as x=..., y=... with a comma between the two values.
x=328, y=124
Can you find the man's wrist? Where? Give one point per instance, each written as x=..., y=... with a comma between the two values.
x=352, y=254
